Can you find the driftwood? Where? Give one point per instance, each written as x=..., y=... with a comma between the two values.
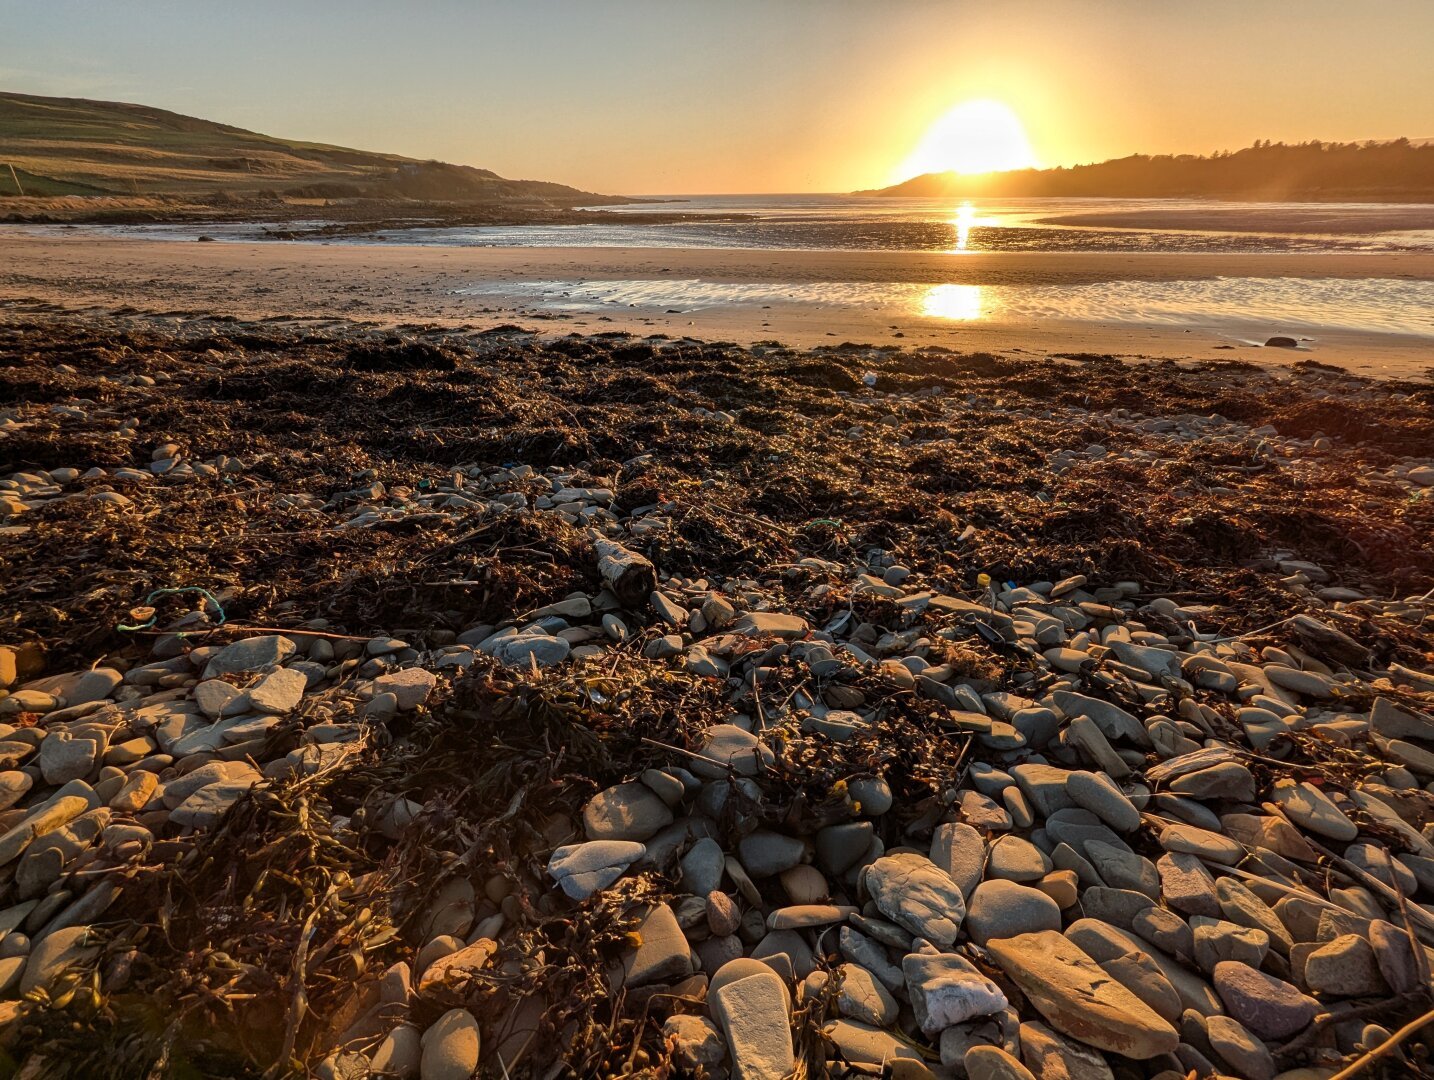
x=1323, y=639
x=630, y=576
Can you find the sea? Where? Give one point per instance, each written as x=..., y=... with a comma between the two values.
x=1232, y=304
x=863, y=223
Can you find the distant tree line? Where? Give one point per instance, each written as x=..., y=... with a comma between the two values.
x=1399, y=170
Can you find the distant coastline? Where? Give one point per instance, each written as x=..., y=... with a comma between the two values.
x=1398, y=171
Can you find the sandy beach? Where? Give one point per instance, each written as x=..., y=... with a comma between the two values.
x=397, y=284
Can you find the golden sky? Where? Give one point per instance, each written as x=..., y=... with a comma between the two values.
x=654, y=96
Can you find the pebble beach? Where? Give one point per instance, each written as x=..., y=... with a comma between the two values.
x=436, y=702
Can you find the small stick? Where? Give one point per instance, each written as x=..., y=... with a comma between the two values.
x=260, y=629
x=1421, y=958
x=1293, y=890
x=1369, y=1057
x=1373, y=884
x=680, y=750
x=1356, y=1012
x=693, y=754
x=298, y=1002
x=1247, y=633
x=750, y=519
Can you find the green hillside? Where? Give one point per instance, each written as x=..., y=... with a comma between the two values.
x=73, y=146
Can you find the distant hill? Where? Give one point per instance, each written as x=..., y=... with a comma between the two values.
x=1398, y=171
x=74, y=146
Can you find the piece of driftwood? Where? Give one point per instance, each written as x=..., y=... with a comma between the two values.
x=630, y=576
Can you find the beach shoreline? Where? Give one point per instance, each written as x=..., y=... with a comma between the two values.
x=395, y=284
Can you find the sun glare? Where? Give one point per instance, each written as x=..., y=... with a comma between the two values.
x=957, y=303
x=974, y=137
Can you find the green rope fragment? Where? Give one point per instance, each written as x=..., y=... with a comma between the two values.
x=152, y=597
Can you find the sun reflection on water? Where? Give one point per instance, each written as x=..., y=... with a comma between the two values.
x=958, y=303
x=965, y=218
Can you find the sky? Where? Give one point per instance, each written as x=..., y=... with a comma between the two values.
x=712, y=96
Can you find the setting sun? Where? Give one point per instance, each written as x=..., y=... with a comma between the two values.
x=974, y=137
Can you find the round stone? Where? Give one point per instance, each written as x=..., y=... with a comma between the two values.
x=805, y=885
x=1015, y=859
x=871, y=794
x=450, y=1047
x=1002, y=909
x=630, y=811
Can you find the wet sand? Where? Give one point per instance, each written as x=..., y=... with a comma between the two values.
x=395, y=284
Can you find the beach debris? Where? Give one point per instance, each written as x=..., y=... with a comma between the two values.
x=512, y=747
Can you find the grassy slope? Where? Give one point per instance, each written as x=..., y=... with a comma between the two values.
x=64, y=146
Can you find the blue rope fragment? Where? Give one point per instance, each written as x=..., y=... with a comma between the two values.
x=152, y=597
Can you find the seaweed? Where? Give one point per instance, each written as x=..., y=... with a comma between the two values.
x=254, y=948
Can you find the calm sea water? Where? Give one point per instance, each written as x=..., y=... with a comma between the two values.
x=856, y=223
x=846, y=223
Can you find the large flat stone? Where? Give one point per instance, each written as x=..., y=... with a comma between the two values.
x=279, y=692
x=250, y=654
x=728, y=745
x=1078, y=998
x=753, y=1013
x=1104, y=943
x=915, y=893
x=1270, y=1007
x=1113, y=721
